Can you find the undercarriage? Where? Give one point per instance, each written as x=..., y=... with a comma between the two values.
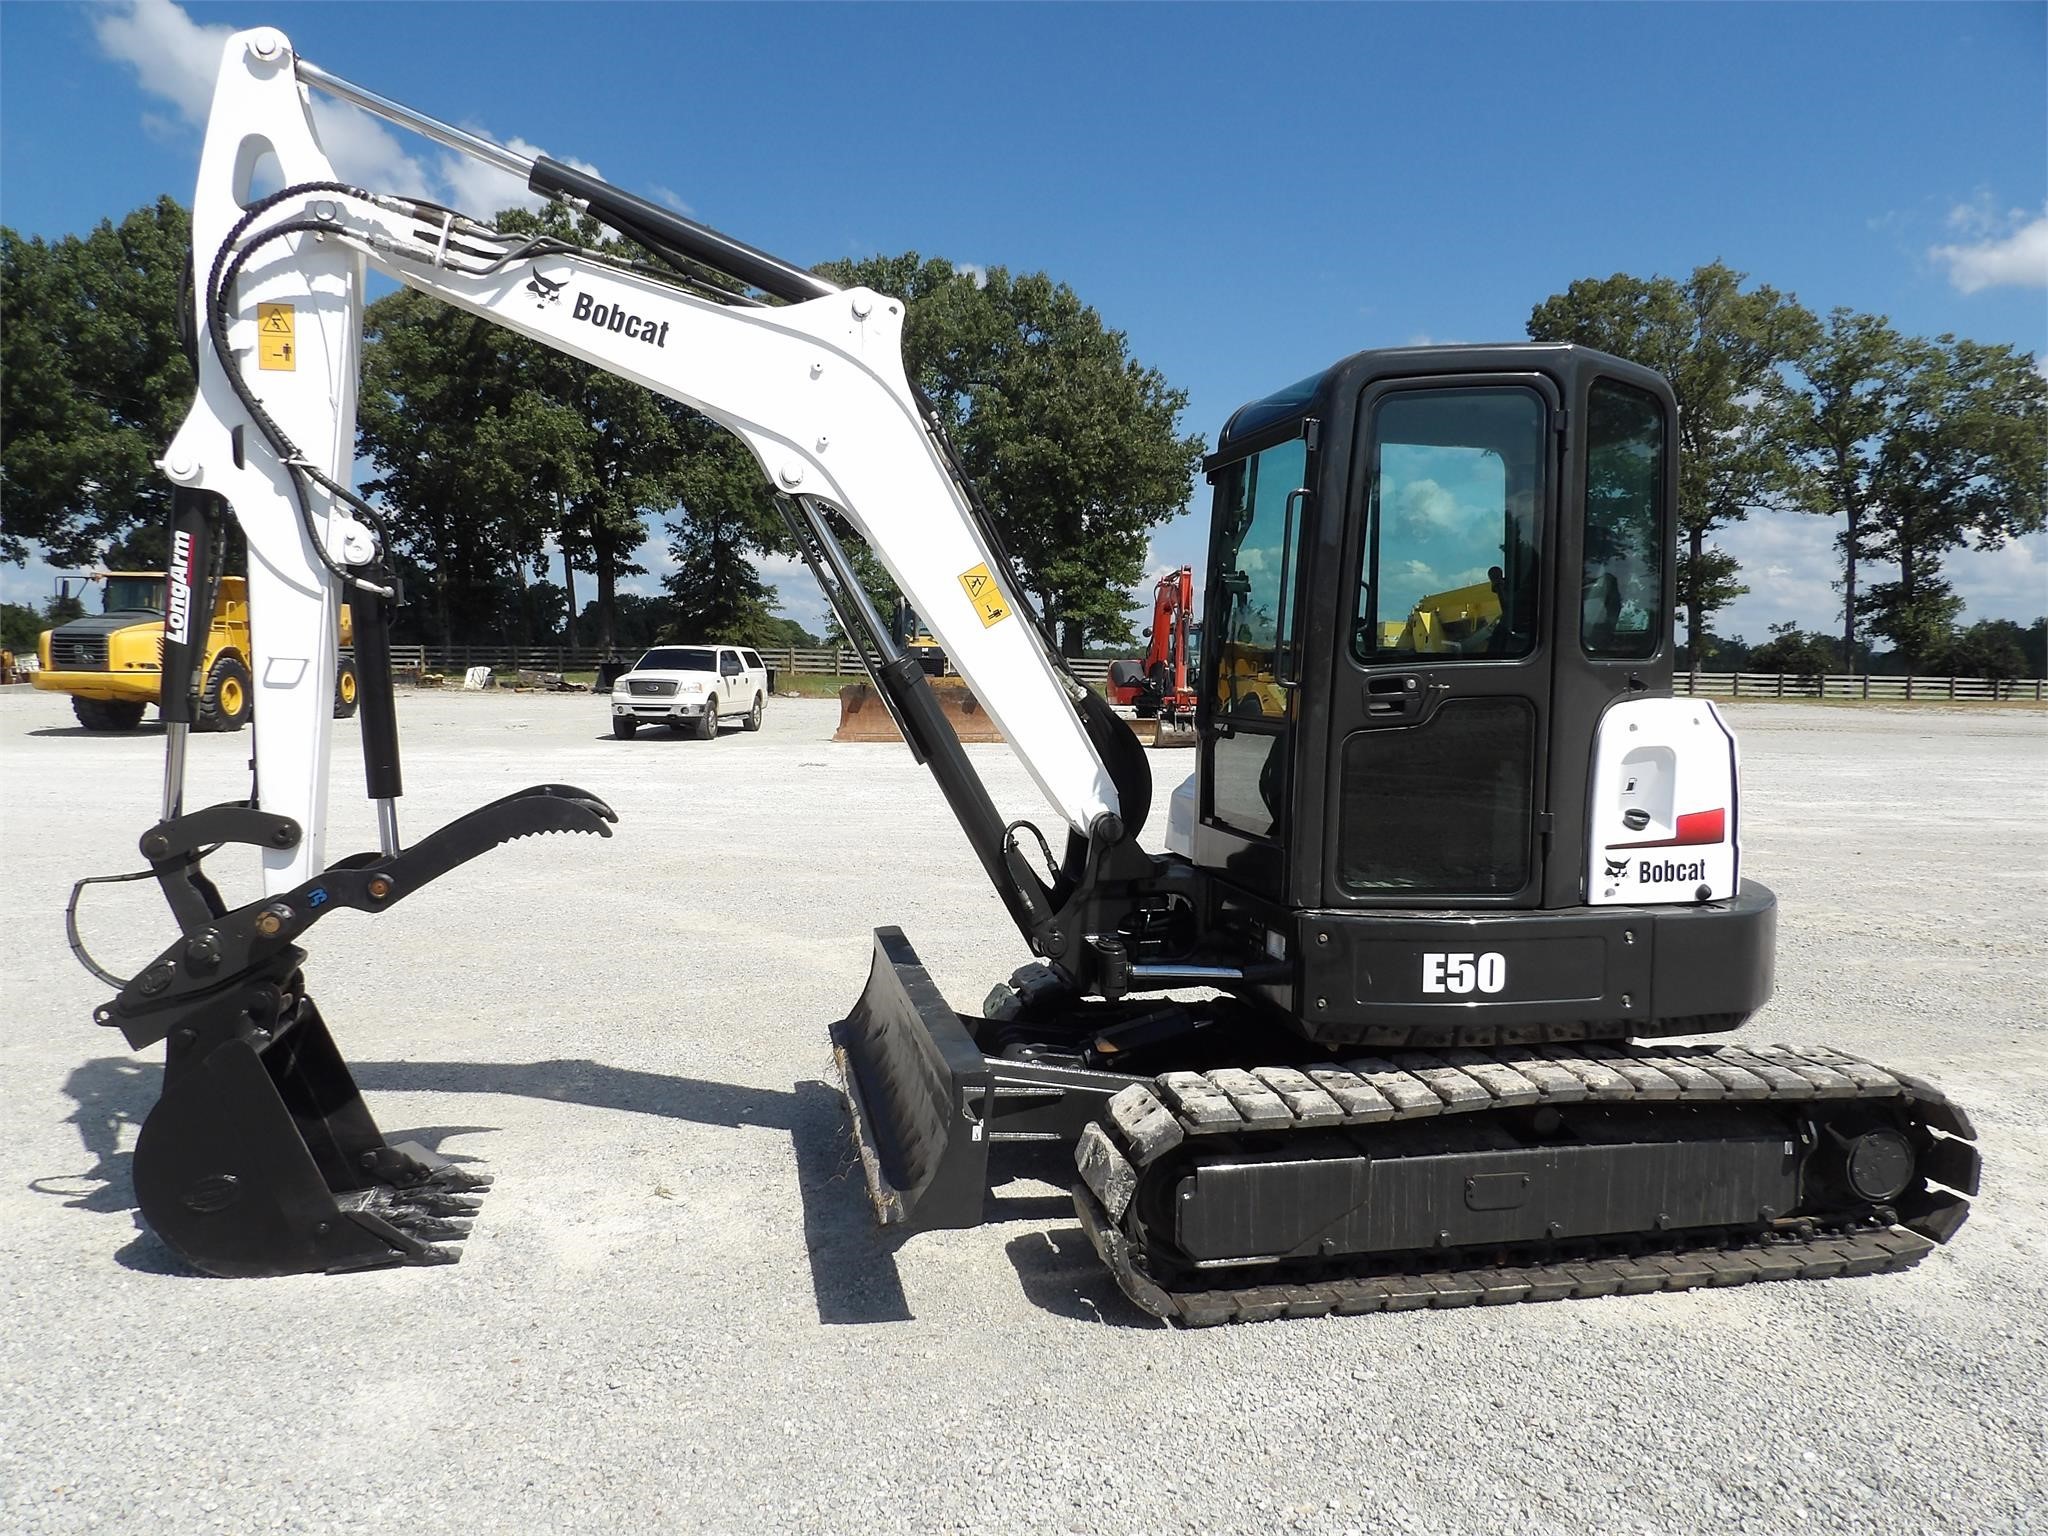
x=1234, y=1190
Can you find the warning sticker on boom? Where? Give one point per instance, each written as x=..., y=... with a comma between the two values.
x=986, y=596
x=274, y=346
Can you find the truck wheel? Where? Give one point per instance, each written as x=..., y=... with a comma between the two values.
x=753, y=720
x=345, y=689
x=623, y=727
x=228, y=700
x=707, y=723
x=107, y=714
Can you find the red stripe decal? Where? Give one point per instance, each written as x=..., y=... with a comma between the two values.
x=1694, y=828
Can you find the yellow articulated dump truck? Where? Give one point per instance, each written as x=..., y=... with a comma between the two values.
x=111, y=662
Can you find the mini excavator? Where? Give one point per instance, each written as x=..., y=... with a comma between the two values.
x=1389, y=1022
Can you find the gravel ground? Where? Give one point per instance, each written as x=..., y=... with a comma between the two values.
x=675, y=1312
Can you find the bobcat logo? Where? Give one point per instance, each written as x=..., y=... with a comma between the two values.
x=544, y=292
x=1617, y=869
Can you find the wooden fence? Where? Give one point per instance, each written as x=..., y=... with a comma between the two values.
x=555, y=658
x=1786, y=685
x=1711, y=685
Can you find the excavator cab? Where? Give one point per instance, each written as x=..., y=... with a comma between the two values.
x=1433, y=574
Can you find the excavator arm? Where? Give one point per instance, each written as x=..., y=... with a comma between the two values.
x=261, y=1157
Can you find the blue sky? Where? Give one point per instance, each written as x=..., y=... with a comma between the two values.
x=1247, y=192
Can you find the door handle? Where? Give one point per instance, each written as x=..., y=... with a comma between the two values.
x=1396, y=697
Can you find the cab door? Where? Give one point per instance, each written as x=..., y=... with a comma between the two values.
x=1440, y=701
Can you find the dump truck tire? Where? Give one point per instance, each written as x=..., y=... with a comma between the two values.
x=107, y=714
x=346, y=689
x=228, y=699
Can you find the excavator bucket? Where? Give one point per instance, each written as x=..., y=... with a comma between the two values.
x=863, y=716
x=1174, y=731
x=261, y=1159
x=918, y=1090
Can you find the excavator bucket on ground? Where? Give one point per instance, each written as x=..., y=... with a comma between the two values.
x=262, y=1159
x=863, y=716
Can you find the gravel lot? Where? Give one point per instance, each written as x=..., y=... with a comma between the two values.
x=674, y=1311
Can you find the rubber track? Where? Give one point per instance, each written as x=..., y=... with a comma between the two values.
x=1144, y=1122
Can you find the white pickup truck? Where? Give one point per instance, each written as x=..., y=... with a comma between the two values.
x=693, y=687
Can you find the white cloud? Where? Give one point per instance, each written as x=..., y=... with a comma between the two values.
x=470, y=186
x=175, y=56
x=669, y=196
x=1423, y=508
x=2008, y=251
x=1790, y=564
x=176, y=59
x=973, y=269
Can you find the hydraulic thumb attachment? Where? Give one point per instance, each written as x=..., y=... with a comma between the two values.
x=261, y=1157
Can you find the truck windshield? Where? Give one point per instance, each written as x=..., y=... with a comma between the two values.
x=678, y=658
x=133, y=594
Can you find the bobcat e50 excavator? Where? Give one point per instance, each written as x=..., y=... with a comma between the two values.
x=1437, y=901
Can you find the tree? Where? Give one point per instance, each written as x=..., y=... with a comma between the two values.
x=93, y=382
x=1720, y=348
x=1832, y=417
x=1799, y=652
x=1070, y=441
x=20, y=627
x=724, y=513
x=1994, y=648
x=1965, y=437
x=488, y=443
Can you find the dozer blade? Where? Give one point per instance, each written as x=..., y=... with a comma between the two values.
x=261, y=1159
x=918, y=1090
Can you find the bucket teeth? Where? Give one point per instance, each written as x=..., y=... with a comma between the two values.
x=436, y=1202
x=456, y=1181
x=426, y=1220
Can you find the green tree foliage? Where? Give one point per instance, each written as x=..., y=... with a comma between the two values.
x=1995, y=648
x=1071, y=442
x=724, y=514
x=93, y=382
x=20, y=625
x=1798, y=652
x=638, y=621
x=1965, y=438
x=1831, y=414
x=487, y=444
x=1720, y=348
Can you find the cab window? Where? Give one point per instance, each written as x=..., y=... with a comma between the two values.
x=1622, y=614
x=728, y=664
x=1450, y=559
x=1253, y=557
x=752, y=661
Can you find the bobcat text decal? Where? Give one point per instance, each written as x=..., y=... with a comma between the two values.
x=610, y=317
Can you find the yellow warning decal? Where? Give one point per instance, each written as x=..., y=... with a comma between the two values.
x=986, y=596
x=274, y=346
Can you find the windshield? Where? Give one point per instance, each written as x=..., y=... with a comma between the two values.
x=133, y=594
x=678, y=658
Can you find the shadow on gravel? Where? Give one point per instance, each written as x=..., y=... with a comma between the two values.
x=853, y=1263
x=1061, y=1272
x=153, y=728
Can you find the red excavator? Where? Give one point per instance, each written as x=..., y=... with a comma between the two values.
x=1159, y=687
